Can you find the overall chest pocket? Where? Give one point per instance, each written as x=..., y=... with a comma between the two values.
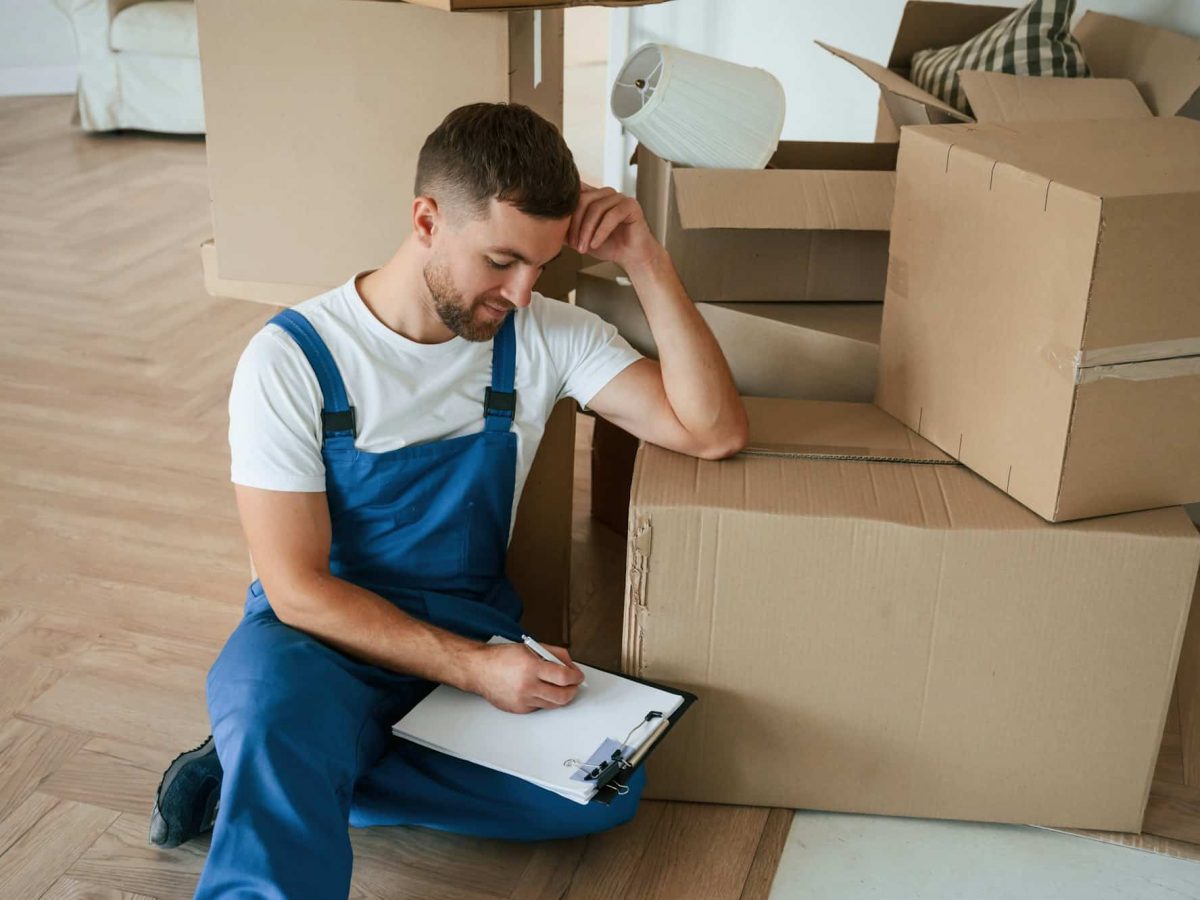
x=410, y=538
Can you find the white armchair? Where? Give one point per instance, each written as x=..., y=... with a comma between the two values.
x=139, y=64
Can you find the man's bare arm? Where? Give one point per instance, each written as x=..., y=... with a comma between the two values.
x=289, y=536
x=686, y=401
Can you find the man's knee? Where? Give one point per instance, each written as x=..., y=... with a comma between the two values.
x=597, y=817
x=277, y=708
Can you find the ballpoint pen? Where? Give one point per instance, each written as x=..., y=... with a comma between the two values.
x=545, y=654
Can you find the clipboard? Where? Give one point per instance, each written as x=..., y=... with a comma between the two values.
x=614, y=769
x=580, y=751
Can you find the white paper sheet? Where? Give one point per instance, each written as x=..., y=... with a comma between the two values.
x=535, y=746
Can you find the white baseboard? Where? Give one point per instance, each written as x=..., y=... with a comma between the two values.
x=20, y=81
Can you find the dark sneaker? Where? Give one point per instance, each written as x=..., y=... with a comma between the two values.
x=188, y=795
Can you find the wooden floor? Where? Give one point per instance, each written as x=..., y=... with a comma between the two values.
x=122, y=566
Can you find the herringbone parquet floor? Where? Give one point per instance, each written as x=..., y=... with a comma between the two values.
x=122, y=567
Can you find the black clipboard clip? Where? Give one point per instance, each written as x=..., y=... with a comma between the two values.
x=612, y=771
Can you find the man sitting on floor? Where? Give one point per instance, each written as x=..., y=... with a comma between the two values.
x=381, y=434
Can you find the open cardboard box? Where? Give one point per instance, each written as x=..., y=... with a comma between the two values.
x=809, y=351
x=1041, y=322
x=811, y=226
x=871, y=628
x=1162, y=65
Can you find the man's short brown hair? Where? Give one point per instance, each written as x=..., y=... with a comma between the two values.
x=504, y=151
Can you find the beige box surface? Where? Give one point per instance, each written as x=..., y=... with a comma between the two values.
x=870, y=629
x=814, y=351
x=557, y=281
x=808, y=351
x=1041, y=322
x=813, y=226
x=1162, y=65
x=467, y=5
x=316, y=111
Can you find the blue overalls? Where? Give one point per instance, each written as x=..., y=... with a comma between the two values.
x=303, y=731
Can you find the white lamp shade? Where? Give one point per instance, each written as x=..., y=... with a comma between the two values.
x=698, y=110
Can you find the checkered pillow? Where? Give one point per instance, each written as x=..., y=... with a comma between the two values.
x=1034, y=40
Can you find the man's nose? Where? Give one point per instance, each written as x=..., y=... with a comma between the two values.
x=518, y=290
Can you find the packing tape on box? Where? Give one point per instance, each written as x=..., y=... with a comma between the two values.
x=1131, y=353
x=1150, y=370
x=1131, y=362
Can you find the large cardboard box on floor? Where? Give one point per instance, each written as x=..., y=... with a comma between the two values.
x=1041, y=322
x=1163, y=66
x=873, y=629
x=811, y=351
x=812, y=226
x=316, y=111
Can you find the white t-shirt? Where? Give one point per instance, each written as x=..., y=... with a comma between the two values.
x=404, y=392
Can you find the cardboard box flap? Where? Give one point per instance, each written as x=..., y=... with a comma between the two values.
x=822, y=429
x=851, y=461
x=1163, y=65
x=895, y=83
x=836, y=155
x=998, y=97
x=929, y=25
x=1050, y=150
x=854, y=321
x=784, y=199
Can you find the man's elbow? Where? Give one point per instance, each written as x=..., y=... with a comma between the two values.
x=728, y=443
x=294, y=600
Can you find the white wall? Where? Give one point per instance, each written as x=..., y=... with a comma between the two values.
x=37, y=49
x=827, y=99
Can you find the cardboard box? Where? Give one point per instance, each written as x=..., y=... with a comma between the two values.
x=1041, y=322
x=557, y=280
x=455, y=5
x=815, y=351
x=316, y=111
x=872, y=630
x=812, y=226
x=613, y=452
x=1163, y=65
x=812, y=351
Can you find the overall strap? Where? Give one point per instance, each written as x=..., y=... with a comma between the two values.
x=500, y=400
x=337, y=415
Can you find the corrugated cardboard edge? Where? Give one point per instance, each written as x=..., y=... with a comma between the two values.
x=1056, y=513
x=637, y=565
x=930, y=456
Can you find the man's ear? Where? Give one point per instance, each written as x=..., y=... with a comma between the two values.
x=426, y=219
